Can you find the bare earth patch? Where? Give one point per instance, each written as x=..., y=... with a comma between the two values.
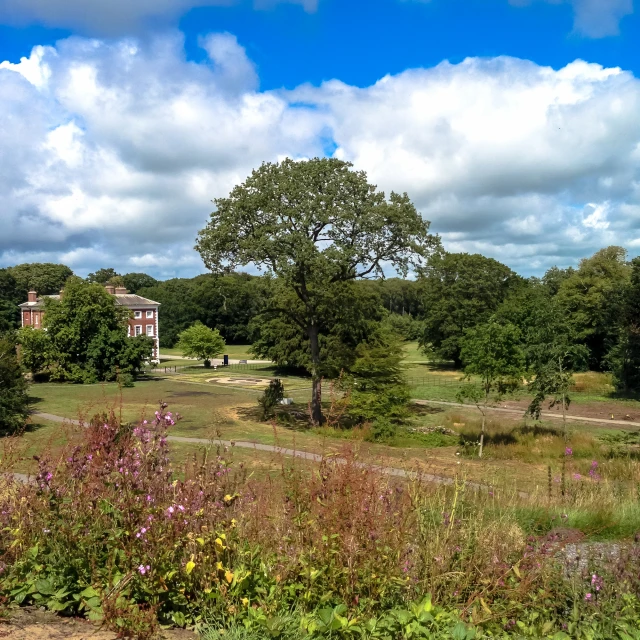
x=600, y=410
x=242, y=382
x=30, y=623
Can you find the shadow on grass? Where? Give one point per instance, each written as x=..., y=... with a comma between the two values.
x=294, y=418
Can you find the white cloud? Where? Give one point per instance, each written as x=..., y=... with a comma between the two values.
x=593, y=18
x=113, y=151
x=113, y=17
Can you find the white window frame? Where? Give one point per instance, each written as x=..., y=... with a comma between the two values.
x=137, y=315
x=150, y=327
x=150, y=313
x=138, y=330
x=129, y=331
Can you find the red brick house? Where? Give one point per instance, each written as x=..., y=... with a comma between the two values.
x=143, y=320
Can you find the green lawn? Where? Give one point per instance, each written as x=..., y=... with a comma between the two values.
x=234, y=351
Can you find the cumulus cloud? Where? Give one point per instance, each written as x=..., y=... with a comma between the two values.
x=594, y=18
x=112, y=17
x=112, y=151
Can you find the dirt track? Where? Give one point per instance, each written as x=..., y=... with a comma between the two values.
x=30, y=623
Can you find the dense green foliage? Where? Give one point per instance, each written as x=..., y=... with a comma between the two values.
x=459, y=292
x=592, y=299
x=10, y=298
x=347, y=318
x=201, y=342
x=378, y=392
x=624, y=358
x=314, y=225
x=14, y=402
x=86, y=338
x=136, y=281
x=270, y=398
x=103, y=276
x=45, y=278
x=227, y=303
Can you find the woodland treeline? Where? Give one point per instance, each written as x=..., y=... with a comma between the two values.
x=455, y=292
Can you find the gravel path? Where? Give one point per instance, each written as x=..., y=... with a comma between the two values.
x=519, y=412
x=296, y=453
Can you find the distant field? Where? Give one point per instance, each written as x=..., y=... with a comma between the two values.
x=234, y=351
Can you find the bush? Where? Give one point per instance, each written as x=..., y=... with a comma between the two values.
x=382, y=430
x=270, y=398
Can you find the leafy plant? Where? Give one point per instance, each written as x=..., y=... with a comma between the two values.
x=270, y=398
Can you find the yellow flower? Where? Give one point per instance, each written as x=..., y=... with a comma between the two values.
x=245, y=601
x=228, y=576
x=219, y=566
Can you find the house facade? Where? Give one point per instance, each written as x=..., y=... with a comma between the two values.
x=143, y=318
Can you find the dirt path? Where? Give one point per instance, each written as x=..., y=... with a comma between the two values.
x=546, y=414
x=30, y=623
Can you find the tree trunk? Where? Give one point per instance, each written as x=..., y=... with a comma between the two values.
x=316, y=381
x=484, y=417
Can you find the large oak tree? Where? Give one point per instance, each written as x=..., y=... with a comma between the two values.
x=315, y=225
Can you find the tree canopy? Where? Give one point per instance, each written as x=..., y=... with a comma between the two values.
x=460, y=291
x=10, y=298
x=593, y=301
x=103, y=276
x=45, y=278
x=315, y=225
x=14, y=402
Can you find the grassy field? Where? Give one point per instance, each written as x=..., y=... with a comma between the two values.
x=222, y=404
x=234, y=351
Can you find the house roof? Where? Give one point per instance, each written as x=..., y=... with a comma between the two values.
x=129, y=300
x=133, y=300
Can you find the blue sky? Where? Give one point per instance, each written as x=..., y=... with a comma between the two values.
x=129, y=116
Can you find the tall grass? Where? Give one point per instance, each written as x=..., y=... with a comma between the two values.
x=109, y=529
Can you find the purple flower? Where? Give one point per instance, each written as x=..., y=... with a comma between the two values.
x=577, y=476
x=142, y=569
x=587, y=597
x=568, y=451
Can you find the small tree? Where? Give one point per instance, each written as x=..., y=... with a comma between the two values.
x=36, y=349
x=376, y=383
x=201, y=342
x=14, y=402
x=553, y=356
x=271, y=397
x=491, y=352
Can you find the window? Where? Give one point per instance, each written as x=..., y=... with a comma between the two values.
x=138, y=329
x=37, y=318
x=137, y=315
x=129, y=330
x=150, y=314
x=149, y=329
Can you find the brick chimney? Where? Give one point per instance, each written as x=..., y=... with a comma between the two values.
x=121, y=291
x=32, y=296
x=110, y=289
